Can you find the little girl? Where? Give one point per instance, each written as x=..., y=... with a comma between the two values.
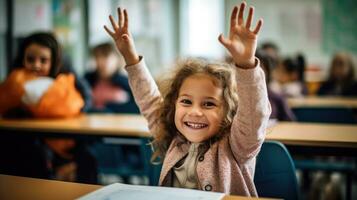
x=36, y=88
x=35, y=85
x=207, y=138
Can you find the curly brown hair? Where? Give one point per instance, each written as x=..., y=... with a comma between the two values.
x=224, y=76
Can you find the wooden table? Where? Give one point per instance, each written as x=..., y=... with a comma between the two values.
x=22, y=188
x=314, y=134
x=290, y=133
x=92, y=124
x=315, y=101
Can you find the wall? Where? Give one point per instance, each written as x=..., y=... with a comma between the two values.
x=300, y=26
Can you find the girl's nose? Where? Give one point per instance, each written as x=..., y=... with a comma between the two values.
x=36, y=66
x=196, y=111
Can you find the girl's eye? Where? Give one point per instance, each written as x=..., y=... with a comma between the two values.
x=209, y=104
x=44, y=60
x=185, y=102
x=30, y=59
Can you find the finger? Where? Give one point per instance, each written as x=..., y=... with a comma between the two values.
x=126, y=19
x=222, y=40
x=250, y=17
x=115, y=26
x=111, y=33
x=234, y=16
x=241, y=13
x=120, y=18
x=259, y=25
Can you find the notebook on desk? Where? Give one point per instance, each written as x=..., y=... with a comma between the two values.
x=134, y=192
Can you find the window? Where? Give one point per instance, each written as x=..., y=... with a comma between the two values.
x=201, y=23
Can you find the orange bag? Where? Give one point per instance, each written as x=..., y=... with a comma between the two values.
x=60, y=100
x=12, y=89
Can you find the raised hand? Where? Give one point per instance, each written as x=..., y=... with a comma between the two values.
x=242, y=42
x=122, y=37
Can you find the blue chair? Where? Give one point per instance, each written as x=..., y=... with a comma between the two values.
x=338, y=115
x=275, y=172
x=125, y=157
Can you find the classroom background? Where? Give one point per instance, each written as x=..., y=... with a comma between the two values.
x=166, y=30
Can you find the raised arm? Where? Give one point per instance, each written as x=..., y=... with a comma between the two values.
x=249, y=124
x=143, y=86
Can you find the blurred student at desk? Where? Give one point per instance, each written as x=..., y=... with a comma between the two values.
x=35, y=88
x=288, y=78
x=341, y=79
x=280, y=108
x=110, y=86
x=112, y=94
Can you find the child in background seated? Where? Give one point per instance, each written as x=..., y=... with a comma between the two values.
x=35, y=88
x=35, y=85
x=287, y=80
x=341, y=79
x=110, y=88
x=272, y=50
x=208, y=140
x=280, y=109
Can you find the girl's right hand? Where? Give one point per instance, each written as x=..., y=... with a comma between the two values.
x=122, y=37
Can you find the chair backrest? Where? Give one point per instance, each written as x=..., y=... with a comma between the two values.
x=325, y=115
x=275, y=172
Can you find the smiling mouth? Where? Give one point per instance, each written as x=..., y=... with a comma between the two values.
x=195, y=125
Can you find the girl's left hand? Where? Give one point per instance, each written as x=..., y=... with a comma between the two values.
x=242, y=42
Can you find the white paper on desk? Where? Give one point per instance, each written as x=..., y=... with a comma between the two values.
x=135, y=192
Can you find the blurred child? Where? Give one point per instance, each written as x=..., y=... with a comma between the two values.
x=110, y=88
x=35, y=88
x=34, y=84
x=208, y=140
x=272, y=50
x=341, y=79
x=280, y=108
x=288, y=80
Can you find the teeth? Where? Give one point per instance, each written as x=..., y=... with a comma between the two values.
x=195, y=125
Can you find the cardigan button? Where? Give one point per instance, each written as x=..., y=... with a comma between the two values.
x=201, y=158
x=208, y=187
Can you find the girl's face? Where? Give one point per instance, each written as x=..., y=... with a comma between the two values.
x=199, y=108
x=38, y=59
x=282, y=76
x=106, y=64
x=340, y=69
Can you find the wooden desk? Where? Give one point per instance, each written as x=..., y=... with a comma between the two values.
x=92, y=124
x=322, y=102
x=314, y=134
x=293, y=133
x=19, y=188
x=14, y=187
